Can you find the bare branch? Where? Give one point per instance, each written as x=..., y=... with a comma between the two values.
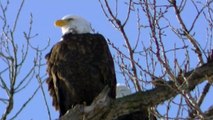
x=187, y=33
x=14, y=76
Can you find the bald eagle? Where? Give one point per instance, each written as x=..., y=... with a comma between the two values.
x=79, y=66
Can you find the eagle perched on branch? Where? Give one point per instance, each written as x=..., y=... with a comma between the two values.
x=79, y=66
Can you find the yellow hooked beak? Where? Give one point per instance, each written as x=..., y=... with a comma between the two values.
x=61, y=23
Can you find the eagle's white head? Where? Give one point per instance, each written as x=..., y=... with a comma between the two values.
x=74, y=24
x=122, y=90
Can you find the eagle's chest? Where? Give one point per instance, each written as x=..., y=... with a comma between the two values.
x=82, y=52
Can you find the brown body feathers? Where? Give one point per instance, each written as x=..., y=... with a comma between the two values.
x=79, y=67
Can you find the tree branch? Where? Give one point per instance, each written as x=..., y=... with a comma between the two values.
x=153, y=97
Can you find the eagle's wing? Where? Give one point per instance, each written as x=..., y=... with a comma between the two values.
x=79, y=67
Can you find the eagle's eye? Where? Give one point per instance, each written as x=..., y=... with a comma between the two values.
x=70, y=19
